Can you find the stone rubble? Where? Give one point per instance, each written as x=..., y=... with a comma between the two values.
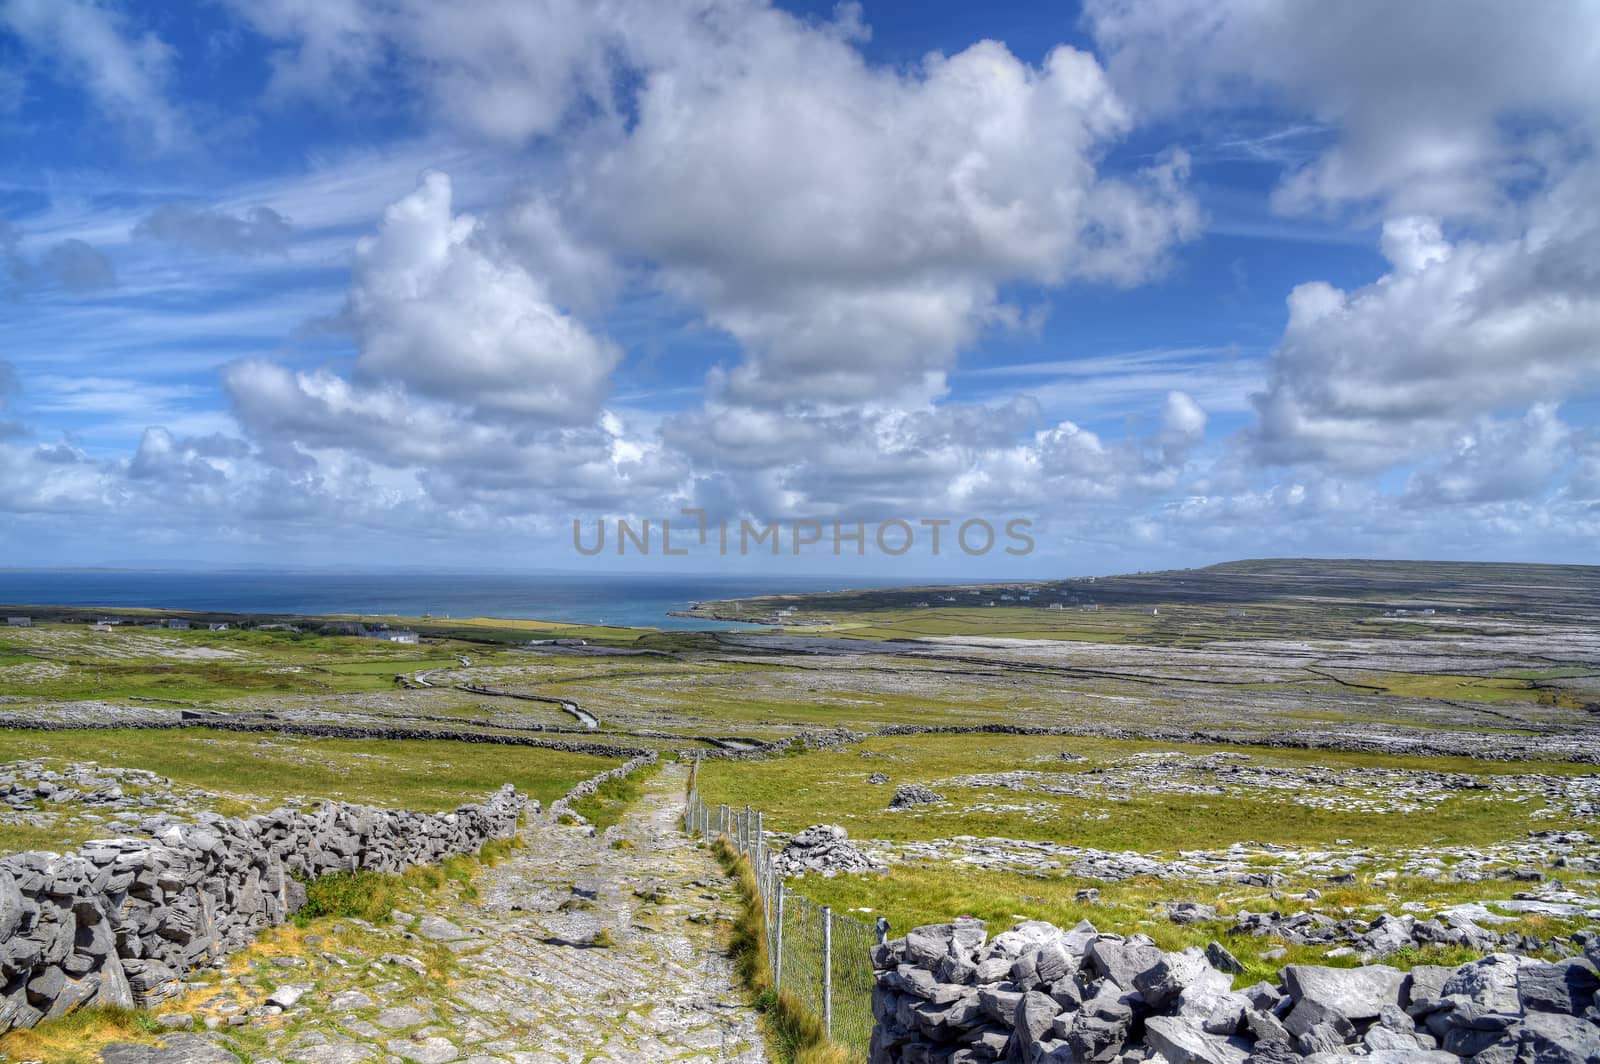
x=824, y=849
x=911, y=795
x=1036, y=994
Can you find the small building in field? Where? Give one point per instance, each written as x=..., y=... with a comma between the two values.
x=399, y=635
x=100, y=626
x=19, y=622
x=176, y=624
x=217, y=627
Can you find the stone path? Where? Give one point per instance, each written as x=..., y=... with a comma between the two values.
x=578, y=948
x=664, y=991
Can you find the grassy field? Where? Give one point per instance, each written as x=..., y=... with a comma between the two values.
x=251, y=773
x=1462, y=657
x=832, y=786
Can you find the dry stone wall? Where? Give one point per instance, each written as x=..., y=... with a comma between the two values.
x=121, y=920
x=946, y=994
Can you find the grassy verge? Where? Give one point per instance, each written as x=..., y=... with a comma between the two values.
x=793, y=1034
x=605, y=806
x=77, y=1037
x=373, y=896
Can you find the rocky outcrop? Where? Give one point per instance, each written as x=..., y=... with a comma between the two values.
x=1038, y=994
x=119, y=921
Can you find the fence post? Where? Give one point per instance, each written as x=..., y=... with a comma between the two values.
x=777, y=961
x=764, y=885
x=827, y=971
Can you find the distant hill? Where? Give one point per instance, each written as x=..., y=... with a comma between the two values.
x=1544, y=592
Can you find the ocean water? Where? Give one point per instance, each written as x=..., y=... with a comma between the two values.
x=618, y=599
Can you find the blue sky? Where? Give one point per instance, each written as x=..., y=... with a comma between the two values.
x=362, y=283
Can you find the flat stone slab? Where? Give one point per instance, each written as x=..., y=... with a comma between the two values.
x=400, y=1016
x=340, y=1053
x=438, y=929
x=427, y=1051
x=176, y=1049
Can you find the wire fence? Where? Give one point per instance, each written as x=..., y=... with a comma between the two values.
x=823, y=959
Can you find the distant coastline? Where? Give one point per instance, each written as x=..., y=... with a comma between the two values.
x=620, y=600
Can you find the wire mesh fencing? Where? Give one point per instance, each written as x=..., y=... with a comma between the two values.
x=822, y=959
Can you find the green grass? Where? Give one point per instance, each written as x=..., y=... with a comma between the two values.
x=606, y=806
x=373, y=896
x=259, y=771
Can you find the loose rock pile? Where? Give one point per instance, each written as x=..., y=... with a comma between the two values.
x=913, y=794
x=1038, y=994
x=119, y=921
x=824, y=848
